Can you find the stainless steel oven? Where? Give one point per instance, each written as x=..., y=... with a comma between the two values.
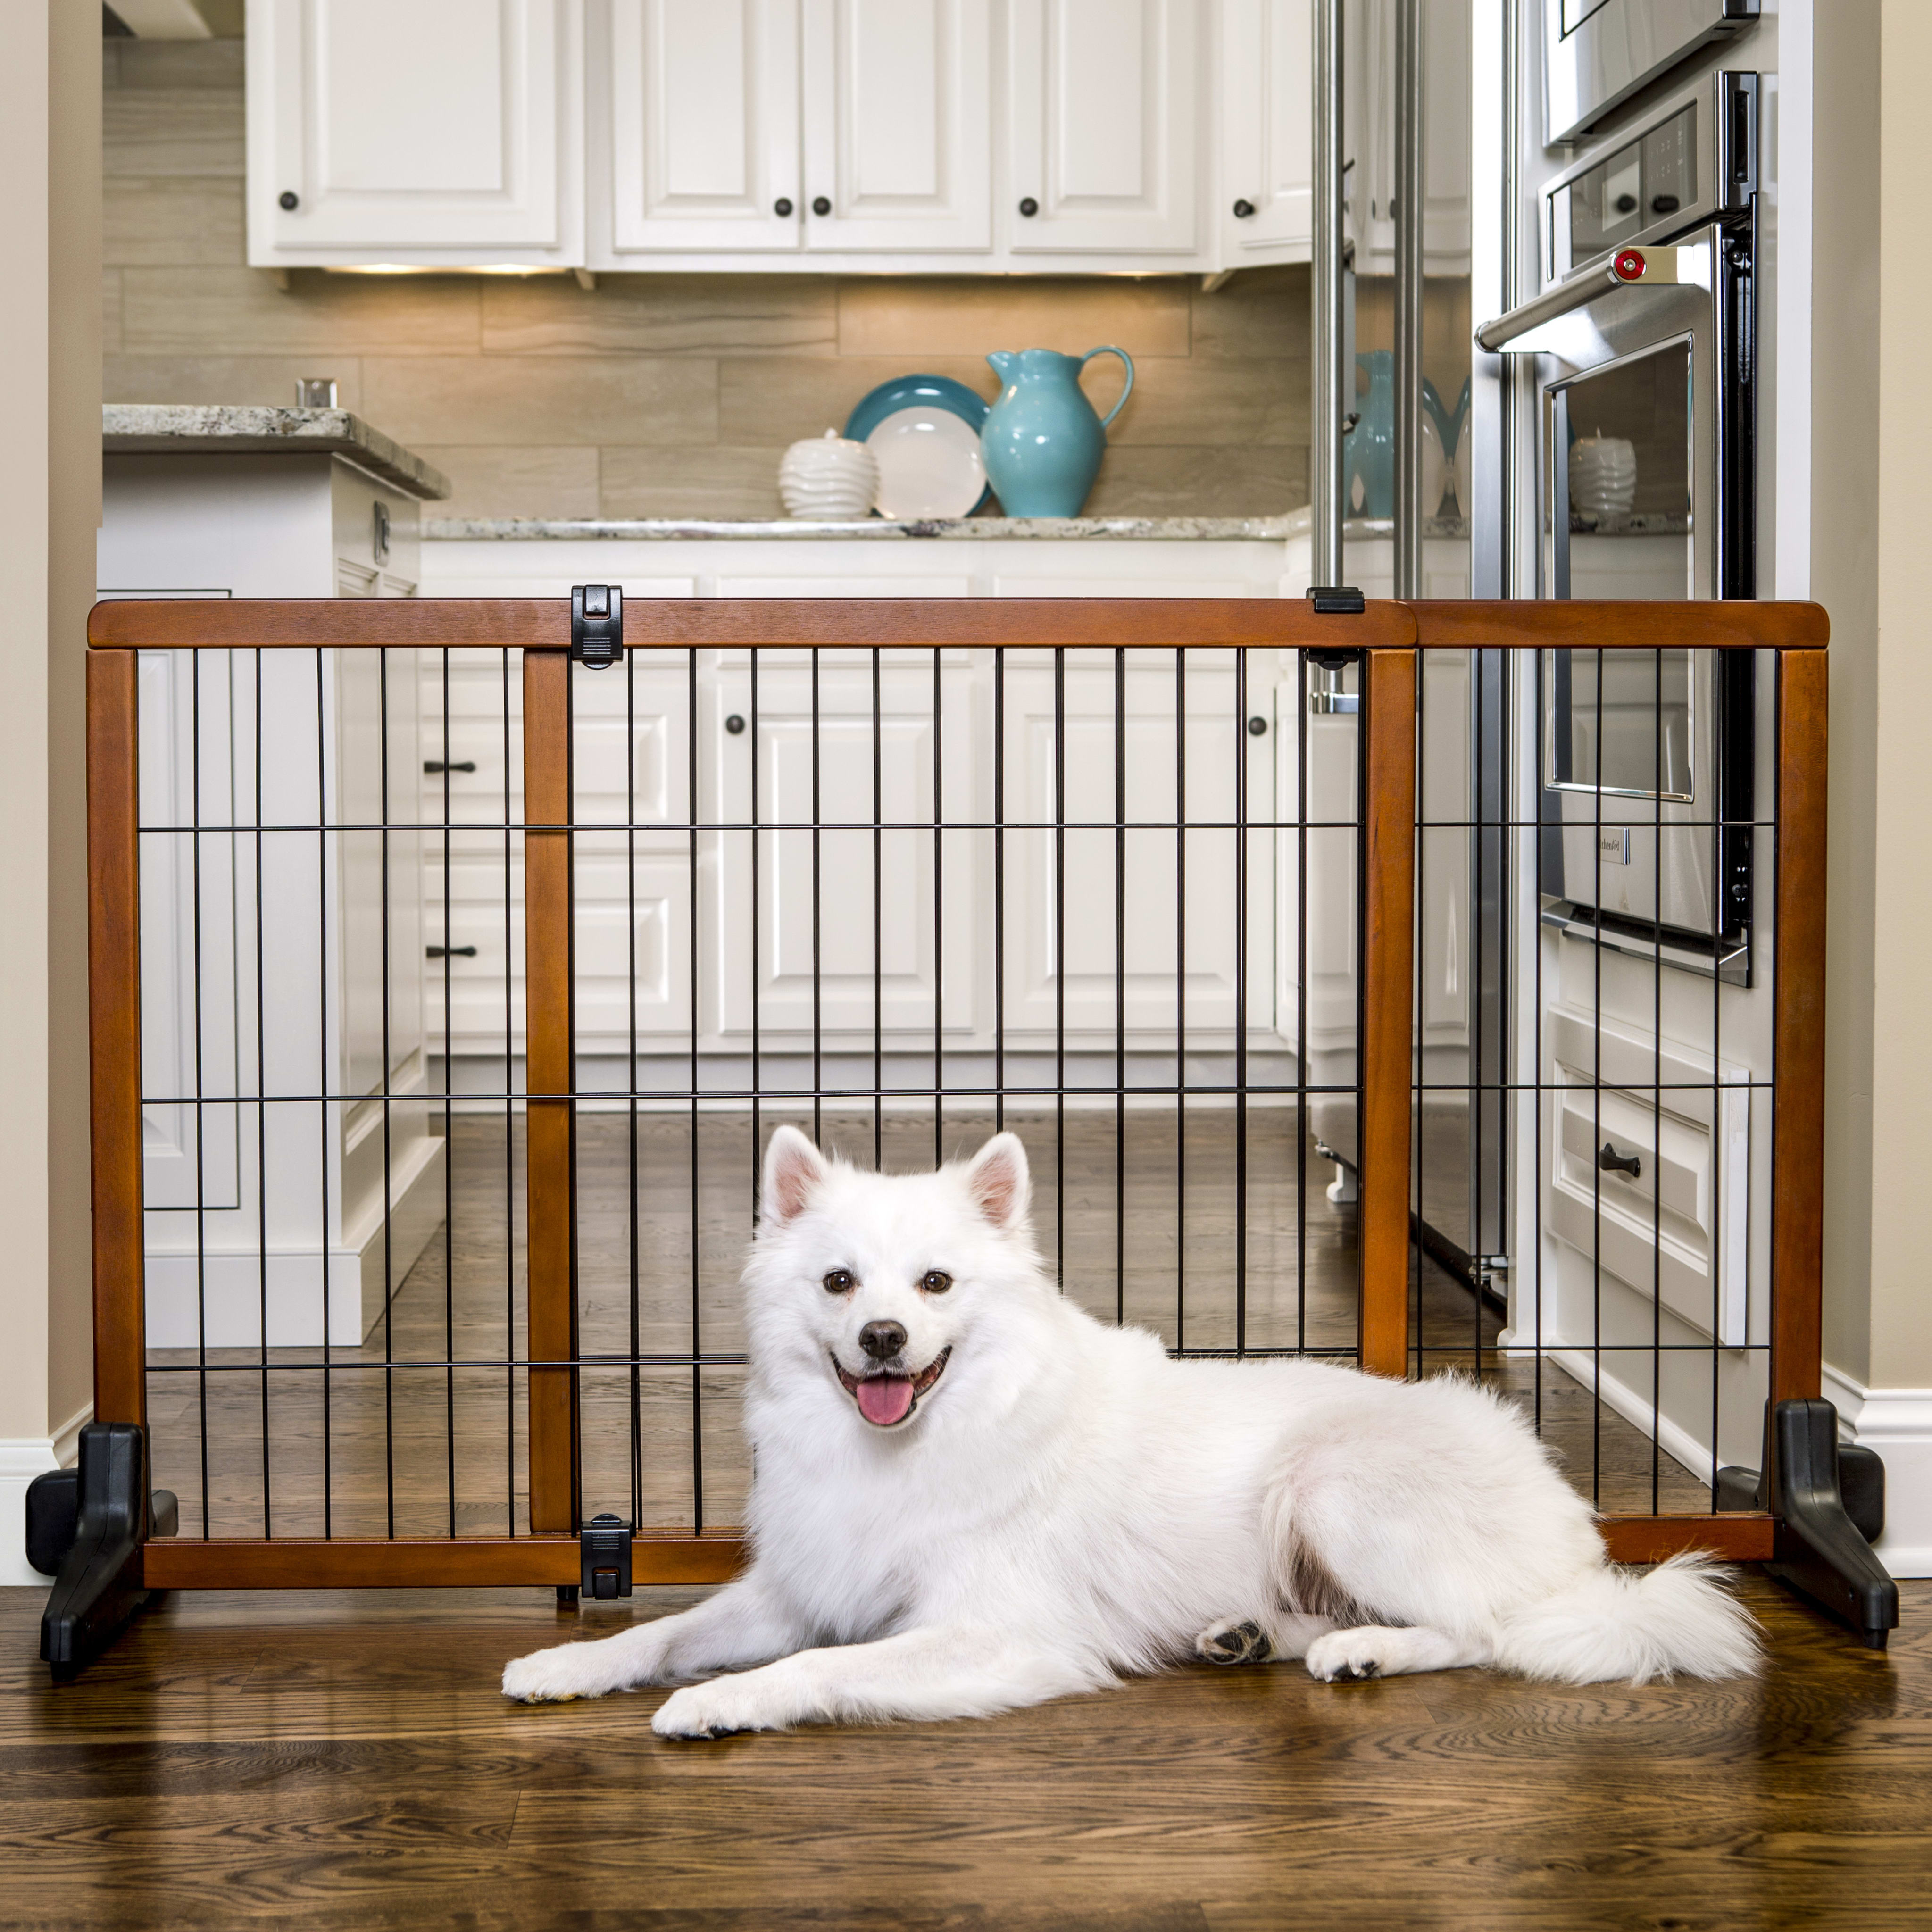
x=1597, y=53
x=1645, y=342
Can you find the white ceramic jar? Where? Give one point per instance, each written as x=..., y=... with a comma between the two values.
x=827, y=479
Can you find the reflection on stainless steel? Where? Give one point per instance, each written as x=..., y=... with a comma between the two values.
x=1333, y=374
x=1691, y=159
x=1672, y=368
x=1728, y=960
x=1599, y=52
x=1647, y=795
x=1652, y=267
x=1409, y=202
x=1619, y=722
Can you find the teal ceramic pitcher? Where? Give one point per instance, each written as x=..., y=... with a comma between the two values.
x=1043, y=442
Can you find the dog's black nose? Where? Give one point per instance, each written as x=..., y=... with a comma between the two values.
x=881, y=1339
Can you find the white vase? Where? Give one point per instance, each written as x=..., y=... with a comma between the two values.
x=827, y=479
x=1603, y=476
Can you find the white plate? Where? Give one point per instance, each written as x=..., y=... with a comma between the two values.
x=930, y=464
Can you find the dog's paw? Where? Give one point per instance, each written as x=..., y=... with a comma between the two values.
x=1343, y=1656
x=713, y=1710
x=554, y=1676
x=1235, y=1643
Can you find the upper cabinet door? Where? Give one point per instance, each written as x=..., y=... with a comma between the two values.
x=701, y=114
x=377, y=129
x=1268, y=147
x=1101, y=95
x=898, y=124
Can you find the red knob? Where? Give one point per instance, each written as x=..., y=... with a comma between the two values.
x=1629, y=264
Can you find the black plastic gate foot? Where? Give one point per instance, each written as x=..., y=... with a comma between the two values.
x=566, y=1596
x=1828, y=1501
x=98, y=1588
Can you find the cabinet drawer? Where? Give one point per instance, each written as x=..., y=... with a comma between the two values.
x=1679, y=1228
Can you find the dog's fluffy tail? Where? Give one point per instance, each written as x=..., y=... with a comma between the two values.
x=1635, y=1625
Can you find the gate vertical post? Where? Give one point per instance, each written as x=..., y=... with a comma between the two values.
x=549, y=1079
x=1798, y=1063
x=114, y=1027
x=1388, y=971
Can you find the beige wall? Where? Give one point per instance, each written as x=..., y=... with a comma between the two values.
x=49, y=508
x=1871, y=567
x=652, y=395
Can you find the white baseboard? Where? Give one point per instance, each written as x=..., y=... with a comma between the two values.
x=1672, y=1438
x=22, y=1459
x=1897, y=1423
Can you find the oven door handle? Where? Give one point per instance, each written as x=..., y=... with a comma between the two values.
x=1628, y=268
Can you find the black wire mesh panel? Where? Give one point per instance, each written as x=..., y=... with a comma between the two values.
x=1607, y=1105
x=335, y=1268
x=902, y=896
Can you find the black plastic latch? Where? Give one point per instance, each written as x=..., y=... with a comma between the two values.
x=596, y=626
x=606, y=1541
x=1337, y=600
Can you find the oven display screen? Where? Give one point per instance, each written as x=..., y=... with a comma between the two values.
x=1637, y=188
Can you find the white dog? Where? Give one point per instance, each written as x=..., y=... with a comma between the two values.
x=970, y=1495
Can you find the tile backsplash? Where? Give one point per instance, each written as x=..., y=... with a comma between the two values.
x=652, y=395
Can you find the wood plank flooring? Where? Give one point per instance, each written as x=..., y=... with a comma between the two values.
x=344, y=1760
x=358, y=1450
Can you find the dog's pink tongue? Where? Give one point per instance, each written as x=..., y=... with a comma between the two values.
x=885, y=1399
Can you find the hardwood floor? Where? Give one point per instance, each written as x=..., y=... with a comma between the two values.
x=344, y=1760
x=426, y=1451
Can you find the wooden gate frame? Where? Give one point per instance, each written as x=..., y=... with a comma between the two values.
x=1389, y=634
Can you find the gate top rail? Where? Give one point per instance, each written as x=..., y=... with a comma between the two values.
x=543, y=623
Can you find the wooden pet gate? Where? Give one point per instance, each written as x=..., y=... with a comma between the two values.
x=485, y=938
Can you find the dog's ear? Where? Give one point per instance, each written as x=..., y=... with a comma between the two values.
x=997, y=1179
x=794, y=1169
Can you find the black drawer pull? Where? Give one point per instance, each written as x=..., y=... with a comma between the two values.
x=1609, y=1160
x=451, y=952
x=433, y=766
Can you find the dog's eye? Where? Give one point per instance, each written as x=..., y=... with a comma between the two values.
x=840, y=1282
x=933, y=1282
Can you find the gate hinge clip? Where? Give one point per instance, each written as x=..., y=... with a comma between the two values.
x=596, y=624
x=606, y=1541
x=1337, y=600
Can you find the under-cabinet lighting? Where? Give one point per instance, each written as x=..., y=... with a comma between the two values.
x=440, y=268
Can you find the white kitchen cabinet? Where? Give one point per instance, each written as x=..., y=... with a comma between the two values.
x=1102, y=102
x=1266, y=114
x=437, y=132
x=898, y=122
x=818, y=899
x=230, y=740
x=695, y=125
x=935, y=897
x=1193, y=911
x=645, y=134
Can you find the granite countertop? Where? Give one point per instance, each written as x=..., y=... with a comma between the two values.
x=1140, y=529
x=229, y=429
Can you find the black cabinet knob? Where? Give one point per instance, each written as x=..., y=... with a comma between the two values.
x=821, y=205
x=450, y=952
x=289, y=198
x=434, y=766
x=1029, y=207
x=782, y=206
x=734, y=724
x=1243, y=209
x=1257, y=727
x=1611, y=1162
